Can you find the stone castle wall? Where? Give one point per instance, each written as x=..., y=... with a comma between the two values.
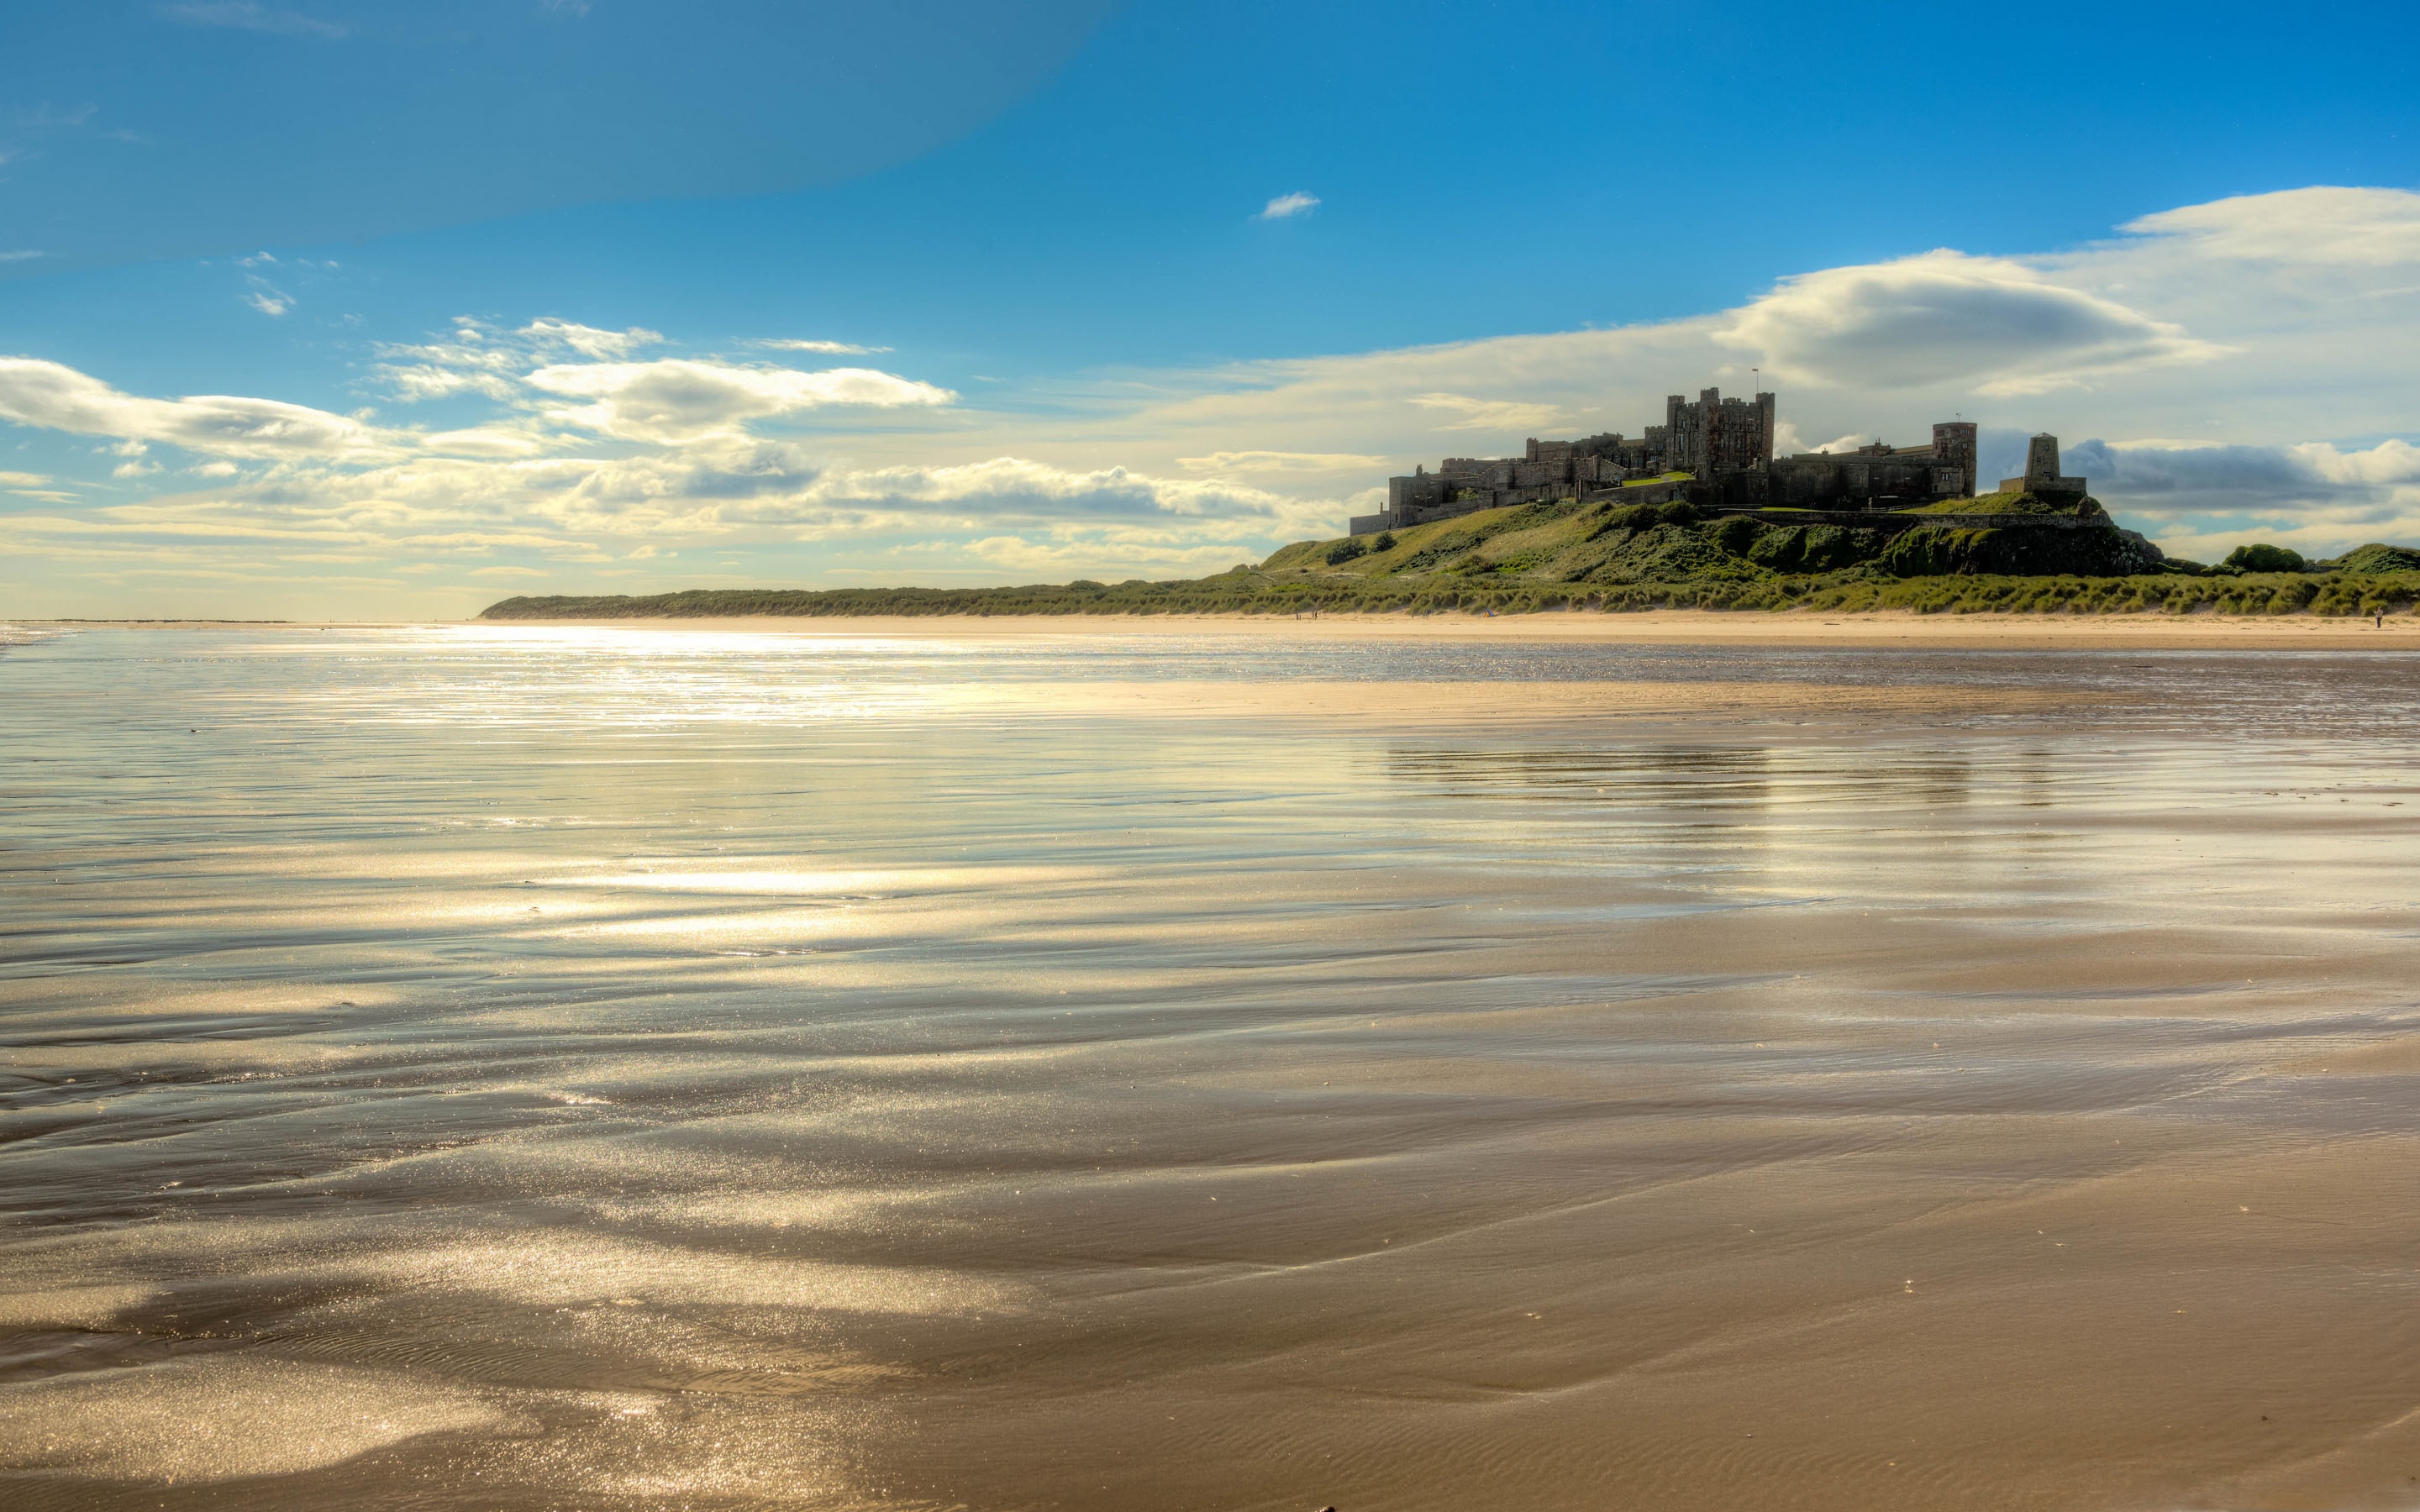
x=1728, y=445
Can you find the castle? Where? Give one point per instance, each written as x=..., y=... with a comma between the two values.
x=1725, y=448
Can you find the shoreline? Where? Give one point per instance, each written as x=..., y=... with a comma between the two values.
x=1872, y=628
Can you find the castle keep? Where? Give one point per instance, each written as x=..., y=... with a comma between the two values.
x=1726, y=446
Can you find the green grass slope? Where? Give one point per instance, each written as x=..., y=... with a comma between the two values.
x=1613, y=556
x=2013, y=503
x=1615, y=544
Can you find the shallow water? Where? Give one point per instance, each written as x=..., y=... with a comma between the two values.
x=598, y=1069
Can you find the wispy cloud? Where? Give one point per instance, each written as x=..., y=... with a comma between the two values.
x=2350, y=227
x=47, y=115
x=1500, y=415
x=589, y=341
x=662, y=401
x=1281, y=462
x=1285, y=207
x=480, y=359
x=676, y=398
x=248, y=16
x=21, y=256
x=267, y=298
x=53, y=396
x=835, y=348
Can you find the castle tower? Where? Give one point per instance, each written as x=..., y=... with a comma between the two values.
x=1715, y=436
x=1953, y=445
x=2041, y=463
x=2041, y=470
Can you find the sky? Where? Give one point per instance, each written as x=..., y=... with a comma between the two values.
x=335, y=309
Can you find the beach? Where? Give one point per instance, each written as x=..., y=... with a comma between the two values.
x=1666, y=626
x=1656, y=1060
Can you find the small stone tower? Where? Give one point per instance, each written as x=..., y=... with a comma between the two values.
x=2041, y=470
x=2041, y=462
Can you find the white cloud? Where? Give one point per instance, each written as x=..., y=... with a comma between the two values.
x=21, y=255
x=23, y=480
x=1281, y=462
x=1943, y=317
x=1009, y=487
x=247, y=15
x=484, y=440
x=268, y=300
x=490, y=363
x=588, y=341
x=832, y=349
x=1287, y=205
x=1501, y=415
x=439, y=370
x=55, y=397
x=2361, y=228
x=677, y=398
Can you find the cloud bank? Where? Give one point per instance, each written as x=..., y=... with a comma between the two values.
x=2224, y=370
x=49, y=396
x=1944, y=317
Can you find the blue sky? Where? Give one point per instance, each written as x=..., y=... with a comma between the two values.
x=491, y=297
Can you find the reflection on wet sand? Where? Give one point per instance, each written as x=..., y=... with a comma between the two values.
x=698, y=1076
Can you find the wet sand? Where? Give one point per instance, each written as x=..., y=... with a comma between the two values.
x=1703, y=628
x=516, y=1067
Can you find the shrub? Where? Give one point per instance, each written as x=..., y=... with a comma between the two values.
x=2378, y=557
x=1386, y=542
x=1735, y=534
x=1345, y=551
x=1679, y=512
x=2261, y=557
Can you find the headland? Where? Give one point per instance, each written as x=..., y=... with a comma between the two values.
x=1696, y=514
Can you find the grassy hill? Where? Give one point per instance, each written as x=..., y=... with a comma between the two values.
x=1614, y=544
x=2014, y=503
x=1613, y=556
